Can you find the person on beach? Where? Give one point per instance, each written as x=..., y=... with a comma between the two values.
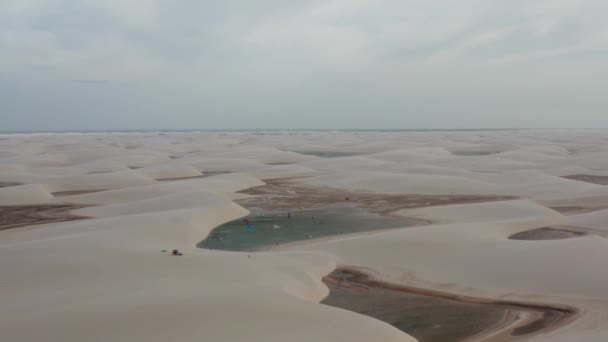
x=289, y=215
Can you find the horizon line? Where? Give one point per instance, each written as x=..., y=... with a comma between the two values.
x=84, y=131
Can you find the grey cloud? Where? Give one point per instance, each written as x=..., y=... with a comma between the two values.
x=308, y=64
x=93, y=81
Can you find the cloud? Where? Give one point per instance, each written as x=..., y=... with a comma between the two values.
x=93, y=82
x=306, y=63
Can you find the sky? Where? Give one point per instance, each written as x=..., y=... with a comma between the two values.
x=308, y=64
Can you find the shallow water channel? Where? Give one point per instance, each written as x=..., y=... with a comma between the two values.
x=329, y=154
x=274, y=227
x=473, y=153
x=438, y=317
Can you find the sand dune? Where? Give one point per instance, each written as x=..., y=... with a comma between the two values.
x=511, y=211
x=173, y=169
x=382, y=182
x=223, y=164
x=597, y=220
x=109, y=275
x=227, y=183
x=24, y=194
x=187, y=200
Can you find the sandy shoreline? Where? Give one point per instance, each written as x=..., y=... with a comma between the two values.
x=520, y=319
x=286, y=194
x=21, y=216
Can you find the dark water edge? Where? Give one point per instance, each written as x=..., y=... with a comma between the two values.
x=593, y=179
x=431, y=316
x=473, y=153
x=545, y=233
x=275, y=227
x=328, y=154
x=426, y=318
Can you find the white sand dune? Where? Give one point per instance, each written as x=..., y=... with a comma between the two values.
x=529, y=184
x=562, y=171
x=106, y=278
x=346, y=163
x=487, y=164
x=284, y=171
x=103, y=165
x=187, y=200
x=392, y=183
x=420, y=153
x=480, y=260
x=504, y=211
x=50, y=172
x=169, y=170
x=266, y=155
x=533, y=156
x=24, y=194
x=224, y=164
x=99, y=181
x=220, y=184
x=36, y=160
x=597, y=220
x=123, y=288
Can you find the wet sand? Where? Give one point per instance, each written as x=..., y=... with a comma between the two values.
x=203, y=175
x=433, y=316
x=600, y=180
x=283, y=194
x=7, y=184
x=328, y=154
x=473, y=153
x=568, y=210
x=26, y=215
x=573, y=210
x=75, y=192
x=546, y=233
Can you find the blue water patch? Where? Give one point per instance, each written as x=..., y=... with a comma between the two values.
x=264, y=228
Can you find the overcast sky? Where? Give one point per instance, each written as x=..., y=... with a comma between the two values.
x=202, y=64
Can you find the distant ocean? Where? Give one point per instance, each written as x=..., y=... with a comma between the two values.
x=258, y=130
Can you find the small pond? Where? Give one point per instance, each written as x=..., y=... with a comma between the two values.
x=270, y=228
